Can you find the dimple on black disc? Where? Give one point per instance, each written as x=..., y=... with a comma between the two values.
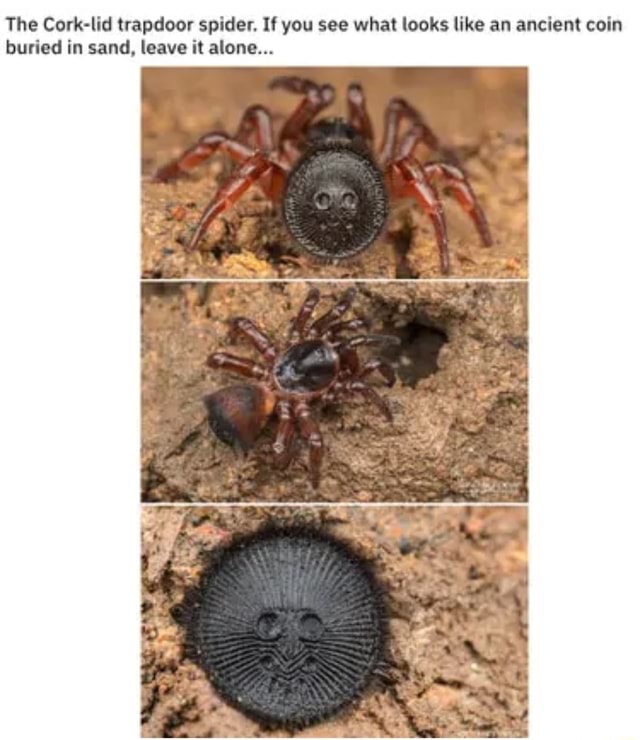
x=290, y=627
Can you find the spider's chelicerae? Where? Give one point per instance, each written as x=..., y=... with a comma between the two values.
x=316, y=364
x=332, y=188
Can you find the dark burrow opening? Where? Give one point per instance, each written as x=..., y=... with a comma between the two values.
x=416, y=356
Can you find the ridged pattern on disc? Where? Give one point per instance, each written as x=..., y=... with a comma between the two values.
x=335, y=233
x=290, y=627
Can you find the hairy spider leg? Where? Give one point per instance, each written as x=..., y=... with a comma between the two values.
x=205, y=147
x=256, y=166
x=285, y=435
x=333, y=331
x=367, y=340
x=299, y=324
x=420, y=133
x=382, y=366
x=257, y=169
x=316, y=99
x=349, y=362
x=397, y=111
x=454, y=179
x=321, y=324
x=358, y=115
x=310, y=432
x=246, y=328
x=238, y=365
x=256, y=121
x=406, y=177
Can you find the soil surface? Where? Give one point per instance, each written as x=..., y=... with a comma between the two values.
x=480, y=112
x=456, y=585
x=460, y=405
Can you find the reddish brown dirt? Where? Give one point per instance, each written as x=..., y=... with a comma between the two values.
x=482, y=112
x=460, y=426
x=456, y=584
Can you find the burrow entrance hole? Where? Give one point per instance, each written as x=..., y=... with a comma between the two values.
x=416, y=357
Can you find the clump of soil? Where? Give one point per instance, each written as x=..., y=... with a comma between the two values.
x=480, y=112
x=456, y=585
x=460, y=406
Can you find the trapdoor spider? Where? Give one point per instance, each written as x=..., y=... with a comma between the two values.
x=332, y=188
x=315, y=364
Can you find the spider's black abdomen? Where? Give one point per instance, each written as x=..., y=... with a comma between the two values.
x=306, y=367
x=289, y=627
x=335, y=203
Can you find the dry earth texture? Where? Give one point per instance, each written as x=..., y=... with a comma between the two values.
x=456, y=585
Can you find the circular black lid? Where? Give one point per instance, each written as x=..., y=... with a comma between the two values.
x=289, y=627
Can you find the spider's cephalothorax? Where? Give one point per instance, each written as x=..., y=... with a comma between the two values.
x=332, y=187
x=289, y=624
x=307, y=368
x=318, y=363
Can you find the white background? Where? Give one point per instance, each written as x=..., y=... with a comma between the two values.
x=70, y=389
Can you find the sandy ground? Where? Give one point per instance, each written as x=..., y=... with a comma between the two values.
x=481, y=112
x=456, y=585
x=460, y=406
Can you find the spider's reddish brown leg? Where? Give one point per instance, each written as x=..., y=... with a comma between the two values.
x=257, y=168
x=299, y=324
x=382, y=366
x=349, y=362
x=285, y=434
x=239, y=365
x=310, y=432
x=406, y=178
x=257, y=122
x=205, y=147
x=397, y=111
x=334, y=330
x=455, y=179
x=342, y=306
x=358, y=114
x=357, y=386
x=366, y=340
x=316, y=98
x=256, y=336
